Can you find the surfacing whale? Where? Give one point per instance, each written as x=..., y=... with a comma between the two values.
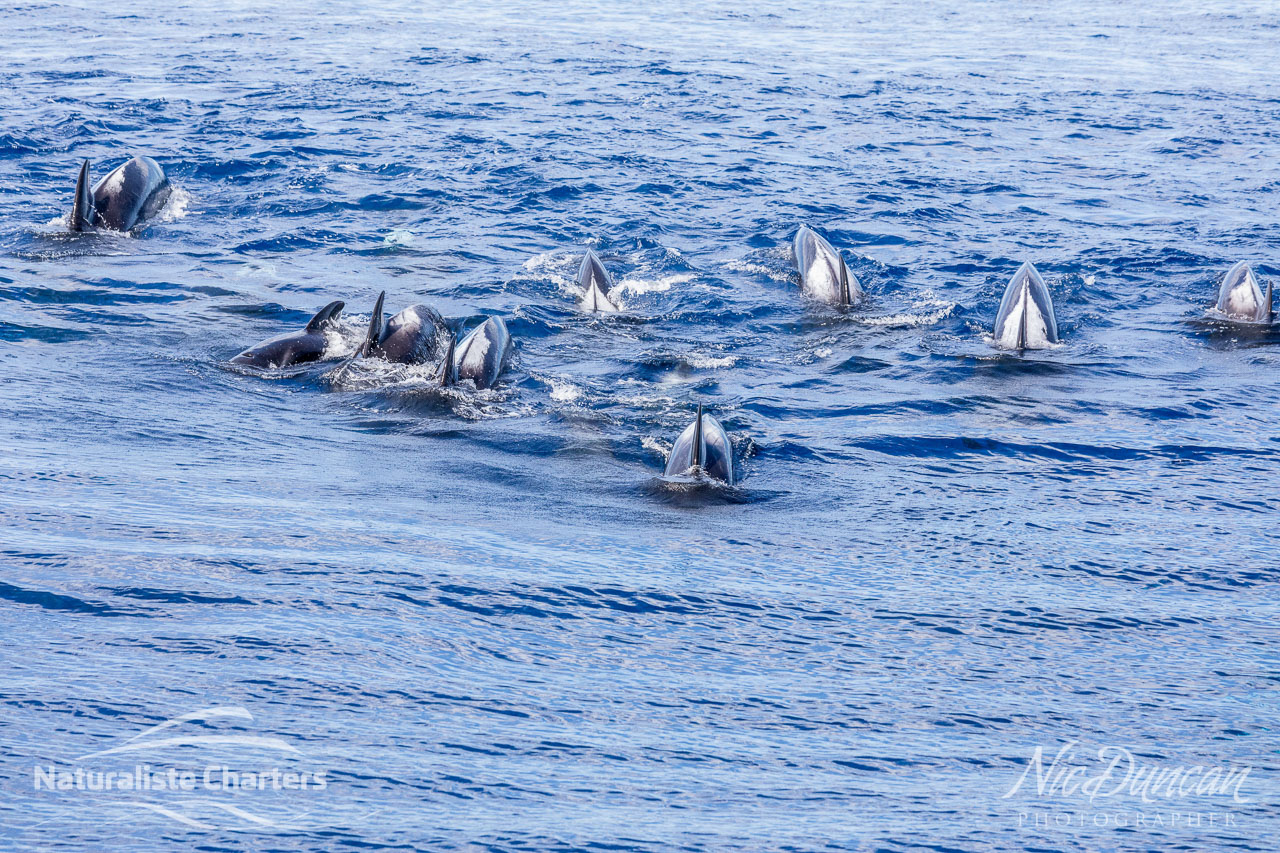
x=481, y=357
x=413, y=336
x=133, y=193
x=1240, y=297
x=596, y=283
x=1025, y=319
x=294, y=347
x=702, y=447
x=823, y=273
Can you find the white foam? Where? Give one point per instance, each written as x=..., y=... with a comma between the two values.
x=257, y=269
x=369, y=373
x=908, y=319
x=640, y=285
x=340, y=341
x=564, y=392
x=548, y=266
x=175, y=206
x=990, y=340
x=751, y=268
x=545, y=260
x=656, y=445
x=709, y=361
x=61, y=224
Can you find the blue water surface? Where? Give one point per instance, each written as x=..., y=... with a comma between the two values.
x=481, y=615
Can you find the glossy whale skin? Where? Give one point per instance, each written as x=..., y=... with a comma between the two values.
x=1026, y=319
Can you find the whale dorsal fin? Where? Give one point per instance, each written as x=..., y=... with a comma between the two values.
x=698, y=448
x=369, y=343
x=374, y=336
x=1266, y=305
x=82, y=208
x=1022, y=319
x=448, y=375
x=325, y=316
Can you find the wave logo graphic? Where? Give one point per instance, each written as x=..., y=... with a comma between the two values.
x=135, y=743
x=212, y=795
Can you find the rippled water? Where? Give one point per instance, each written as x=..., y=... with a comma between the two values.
x=481, y=614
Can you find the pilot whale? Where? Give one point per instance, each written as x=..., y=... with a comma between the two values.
x=1240, y=297
x=133, y=193
x=823, y=273
x=596, y=283
x=294, y=347
x=1025, y=319
x=703, y=446
x=481, y=356
x=413, y=336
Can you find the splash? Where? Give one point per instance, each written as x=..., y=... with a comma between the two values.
x=777, y=273
x=565, y=392
x=928, y=313
x=638, y=286
x=551, y=267
x=258, y=269
x=546, y=261
x=398, y=237
x=175, y=207
x=708, y=362
x=656, y=445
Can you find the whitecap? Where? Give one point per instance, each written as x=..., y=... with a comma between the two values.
x=564, y=392
x=656, y=445
x=773, y=273
x=398, y=237
x=710, y=361
x=638, y=286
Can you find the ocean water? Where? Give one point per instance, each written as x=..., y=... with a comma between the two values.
x=480, y=619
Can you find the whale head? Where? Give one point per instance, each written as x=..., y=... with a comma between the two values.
x=1025, y=319
x=1241, y=298
x=596, y=283
x=823, y=273
x=483, y=354
x=130, y=194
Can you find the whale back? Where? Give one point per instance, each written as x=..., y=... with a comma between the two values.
x=1240, y=297
x=1026, y=319
x=823, y=273
x=703, y=444
x=414, y=336
x=596, y=283
x=134, y=192
x=483, y=353
x=293, y=347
